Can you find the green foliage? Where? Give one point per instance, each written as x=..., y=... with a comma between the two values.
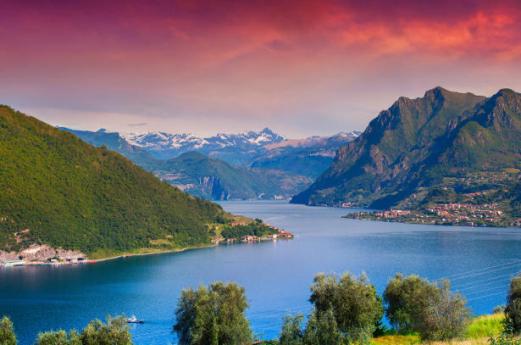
x=322, y=329
x=354, y=303
x=114, y=332
x=72, y=195
x=446, y=316
x=513, y=308
x=485, y=326
x=59, y=338
x=291, y=333
x=213, y=316
x=254, y=229
x=7, y=335
x=504, y=339
x=406, y=299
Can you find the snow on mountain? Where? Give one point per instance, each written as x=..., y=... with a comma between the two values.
x=160, y=141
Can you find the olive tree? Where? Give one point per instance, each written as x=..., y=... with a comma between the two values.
x=322, y=329
x=7, y=335
x=414, y=304
x=213, y=316
x=513, y=308
x=114, y=332
x=292, y=333
x=446, y=316
x=406, y=299
x=353, y=302
x=59, y=338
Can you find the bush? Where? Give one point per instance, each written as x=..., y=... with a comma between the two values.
x=416, y=305
x=291, y=333
x=485, y=326
x=354, y=303
x=7, y=336
x=59, y=338
x=322, y=329
x=213, y=316
x=114, y=332
x=513, y=308
x=446, y=316
x=406, y=299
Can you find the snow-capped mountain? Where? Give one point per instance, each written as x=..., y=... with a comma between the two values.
x=168, y=145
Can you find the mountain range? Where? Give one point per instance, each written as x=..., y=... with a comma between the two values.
x=443, y=147
x=249, y=165
x=60, y=191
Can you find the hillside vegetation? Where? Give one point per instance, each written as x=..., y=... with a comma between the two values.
x=72, y=195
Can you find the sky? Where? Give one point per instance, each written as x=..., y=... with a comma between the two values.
x=299, y=67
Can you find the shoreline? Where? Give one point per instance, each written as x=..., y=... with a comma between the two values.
x=212, y=244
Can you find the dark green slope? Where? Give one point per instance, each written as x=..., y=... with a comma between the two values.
x=215, y=179
x=72, y=195
x=373, y=165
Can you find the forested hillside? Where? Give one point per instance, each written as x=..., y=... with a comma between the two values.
x=72, y=195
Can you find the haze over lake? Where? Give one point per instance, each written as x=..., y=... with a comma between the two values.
x=276, y=275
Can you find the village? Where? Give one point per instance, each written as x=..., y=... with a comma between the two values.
x=464, y=214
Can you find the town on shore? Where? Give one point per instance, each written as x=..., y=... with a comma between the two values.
x=463, y=214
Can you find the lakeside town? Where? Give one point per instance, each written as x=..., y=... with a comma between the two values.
x=43, y=254
x=464, y=214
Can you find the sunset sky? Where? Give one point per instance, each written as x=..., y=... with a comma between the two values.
x=298, y=67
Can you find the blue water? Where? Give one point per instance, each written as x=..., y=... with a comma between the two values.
x=276, y=275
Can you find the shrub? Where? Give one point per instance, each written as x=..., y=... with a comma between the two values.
x=353, y=302
x=406, y=298
x=7, y=336
x=513, y=308
x=446, y=316
x=291, y=333
x=114, y=332
x=213, y=316
x=322, y=329
x=485, y=326
x=417, y=305
x=59, y=338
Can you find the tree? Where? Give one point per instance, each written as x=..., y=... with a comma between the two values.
x=114, y=332
x=322, y=329
x=406, y=299
x=59, y=338
x=291, y=333
x=446, y=316
x=513, y=308
x=354, y=303
x=7, y=335
x=213, y=316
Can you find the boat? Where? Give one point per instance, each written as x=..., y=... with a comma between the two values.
x=134, y=319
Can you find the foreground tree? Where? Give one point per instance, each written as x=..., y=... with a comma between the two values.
x=322, y=329
x=291, y=333
x=114, y=332
x=59, y=338
x=406, y=300
x=354, y=303
x=513, y=308
x=446, y=316
x=213, y=316
x=7, y=335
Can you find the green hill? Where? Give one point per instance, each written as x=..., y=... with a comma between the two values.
x=445, y=147
x=72, y=195
x=215, y=179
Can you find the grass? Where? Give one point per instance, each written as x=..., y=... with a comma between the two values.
x=478, y=332
x=485, y=326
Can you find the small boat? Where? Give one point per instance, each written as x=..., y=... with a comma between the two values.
x=134, y=319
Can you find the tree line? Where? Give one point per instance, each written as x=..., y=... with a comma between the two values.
x=346, y=310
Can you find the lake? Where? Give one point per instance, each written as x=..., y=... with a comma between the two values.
x=276, y=275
